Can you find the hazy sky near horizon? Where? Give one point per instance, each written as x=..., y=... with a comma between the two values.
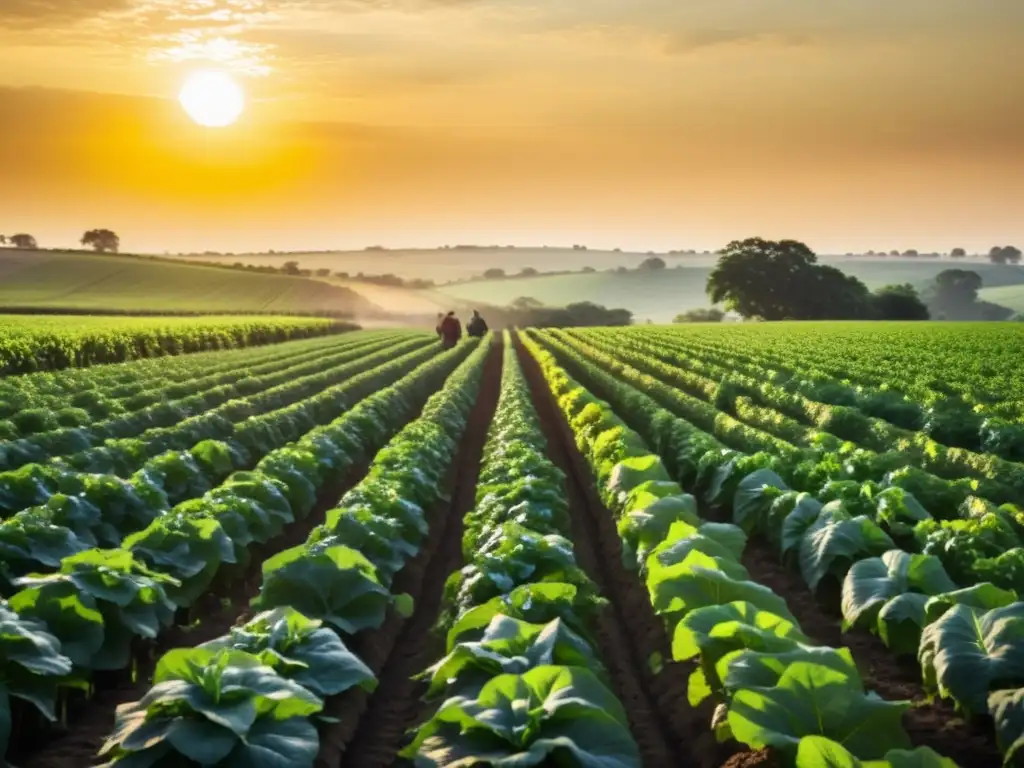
x=850, y=124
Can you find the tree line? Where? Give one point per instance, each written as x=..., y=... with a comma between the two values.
x=782, y=280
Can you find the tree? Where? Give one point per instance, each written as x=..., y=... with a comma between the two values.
x=1007, y=254
x=782, y=280
x=291, y=268
x=101, y=240
x=898, y=302
x=24, y=241
x=3, y=239
x=588, y=270
x=323, y=272
x=528, y=272
x=957, y=253
x=712, y=315
x=894, y=252
x=957, y=286
x=494, y=273
x=653, y=263
x=910, y=253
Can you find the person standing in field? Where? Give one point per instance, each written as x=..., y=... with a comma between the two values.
x=451, y=330
x=477, y=326
x=440, y=322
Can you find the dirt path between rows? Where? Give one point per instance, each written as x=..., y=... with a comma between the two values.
x=932, y=724
x=226, y=605
x=372, y=728
x=667, y=729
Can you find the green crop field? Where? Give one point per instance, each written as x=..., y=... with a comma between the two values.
x=52, y=342
x=788, y=545
x=44, y=279
x=660, y=296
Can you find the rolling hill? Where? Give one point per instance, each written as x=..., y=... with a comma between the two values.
x=660, y=296
x=79, y=281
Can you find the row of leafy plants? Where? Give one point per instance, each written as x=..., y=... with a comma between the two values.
x=772, y=686
x=78, y=446
x=520, y=681
x=318, y=594
x=950, y=394
x=879, y=420
x=27, y=345
x=76, y=511
x=87, y=616
x=824, y=457
x=33, y=404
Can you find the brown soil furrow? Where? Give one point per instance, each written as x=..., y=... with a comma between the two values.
x=933, y=724
x=667, y=729
x=227, y=604
x=372, y=728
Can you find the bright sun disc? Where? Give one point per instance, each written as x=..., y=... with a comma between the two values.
x=212, y=99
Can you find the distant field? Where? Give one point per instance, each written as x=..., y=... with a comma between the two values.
x=93, y=282
x=660, y=296
x=446, y=264
x=1011, y=296
x=52, y=342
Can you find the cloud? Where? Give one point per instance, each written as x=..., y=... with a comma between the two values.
x=47, y=13
x=684, y=42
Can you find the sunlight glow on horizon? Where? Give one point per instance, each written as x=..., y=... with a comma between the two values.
x=212, y=99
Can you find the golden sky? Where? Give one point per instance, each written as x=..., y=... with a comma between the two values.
x=850, y=124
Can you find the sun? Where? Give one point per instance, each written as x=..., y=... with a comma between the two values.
x=212, y=99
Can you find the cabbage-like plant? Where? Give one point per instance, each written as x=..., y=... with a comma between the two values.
x=533, y=603
x=31, y=666
x=300, y=649
x=699, y=581
x=96, y=604
x=509, y=646
x=722, y=541
x=31, y=543
x=965, y=654
x=216, y=708
x=331, y=582
x=188, y=547
x=872, y=582
x=834, y=541
x=377, y=537
x=549, y=715
x=707, y=634
x=815, y=700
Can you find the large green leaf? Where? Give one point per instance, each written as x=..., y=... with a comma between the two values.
x=981, y=597
x=820, y=752
x=1007, y=710
x=829, y=547
x=700, y=581
x=718, y=540
x=758, y=669
x=965, y=654
x=900, y=623
x=291, y=743
x=754, y=497
x=872, y=582
x=814, y=700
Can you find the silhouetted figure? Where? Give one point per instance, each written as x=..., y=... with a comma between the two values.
x=440, y=322
x=477, y=326
x=451, y=330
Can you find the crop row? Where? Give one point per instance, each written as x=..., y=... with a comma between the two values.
x=85, y=616
x=120, y=444
x=772, y=685
x=283, y=664
x=822, y=456
x=78, y=396
x=521, y=679
x=26, y=345
x=932, y=577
